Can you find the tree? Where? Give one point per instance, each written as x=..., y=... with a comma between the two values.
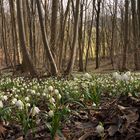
x=27, y=63
x=90, y=34
x=125, y=35
x=54, y=70
x=113, y=33
x=54, y=27
x=75, y=36
x=135, y=35
x=97, y=33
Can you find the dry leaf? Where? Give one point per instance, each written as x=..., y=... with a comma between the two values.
x=2, y=129
x=20, y=138
x=112, y=130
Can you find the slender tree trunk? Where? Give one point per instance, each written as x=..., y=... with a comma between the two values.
x=113, y=34
x=62, y=34
x=125, y=35
x=135, y=35
x=26, y=58
x=74, y=43
x=90, y=35
x=54, y=28
x=81, y=65
x=97, y=34
x=54, y=70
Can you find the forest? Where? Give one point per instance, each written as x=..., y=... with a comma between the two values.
x=69, y=69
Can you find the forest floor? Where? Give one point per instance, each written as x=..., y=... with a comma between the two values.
x=100, y=108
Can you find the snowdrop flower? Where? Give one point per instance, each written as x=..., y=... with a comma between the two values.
x=44, y=94
x=52, y=100
x=48, y=96
x=27, y=99
x=75, y=79
x=56, y=91
x=19, y=104
x=100, y=129
x=50, y=88
x=38, y=94
x=22, y=88
x=1, y=104
x=59, y=96
x=35, y=110
x=117, y=76
x=14, y=101
x=87, y=75
x=128, y=73
x=28, y=104
x=125, y=77
x=94, y=105
x=16, y=95
x=4, y=98
x=32, y=91
x=51, y=113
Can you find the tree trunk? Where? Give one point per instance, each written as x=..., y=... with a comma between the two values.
x=97, y=34
x=81, y=67
x=135, y=35
x=125, y=35
x=26, y=58
x=54, y=70
x=74, y=43
x=54, y=28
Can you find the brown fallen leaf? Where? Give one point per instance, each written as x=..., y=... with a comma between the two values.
x=112, y=130
x=84, y=125
x=2, y=129
x=20, y=138
x=85, y=136
x=57, y=137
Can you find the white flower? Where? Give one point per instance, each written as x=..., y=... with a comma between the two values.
x=28, y=105
x=75, y=79
x=19, y=104
x=87, y=75
x=100, y=129
x=33, y=92
x=14, y=101
x=52, y=100
x=44, y=94
x=50, y=88
x=59, y=96
x=4, y=98
x=94, y=105
x=125, y=77
x=56, y=91
x=27, y=99
x=51, y=113
x=48, y=96
x=1, y=104
x=117, y=76
x=38, y=94
x=16, y=95
x=35, y=110
x=128, y=73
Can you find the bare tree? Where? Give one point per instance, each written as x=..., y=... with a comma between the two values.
x=135, y=35
x=54, y=70
x=97, y=33
x=125, y=35
x=75, y=36
x=27, y=63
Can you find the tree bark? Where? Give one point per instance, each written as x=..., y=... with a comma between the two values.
x=97, y=34
x=53, y=66
x=26, y=58
x=125, y=36
x=74, y=43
